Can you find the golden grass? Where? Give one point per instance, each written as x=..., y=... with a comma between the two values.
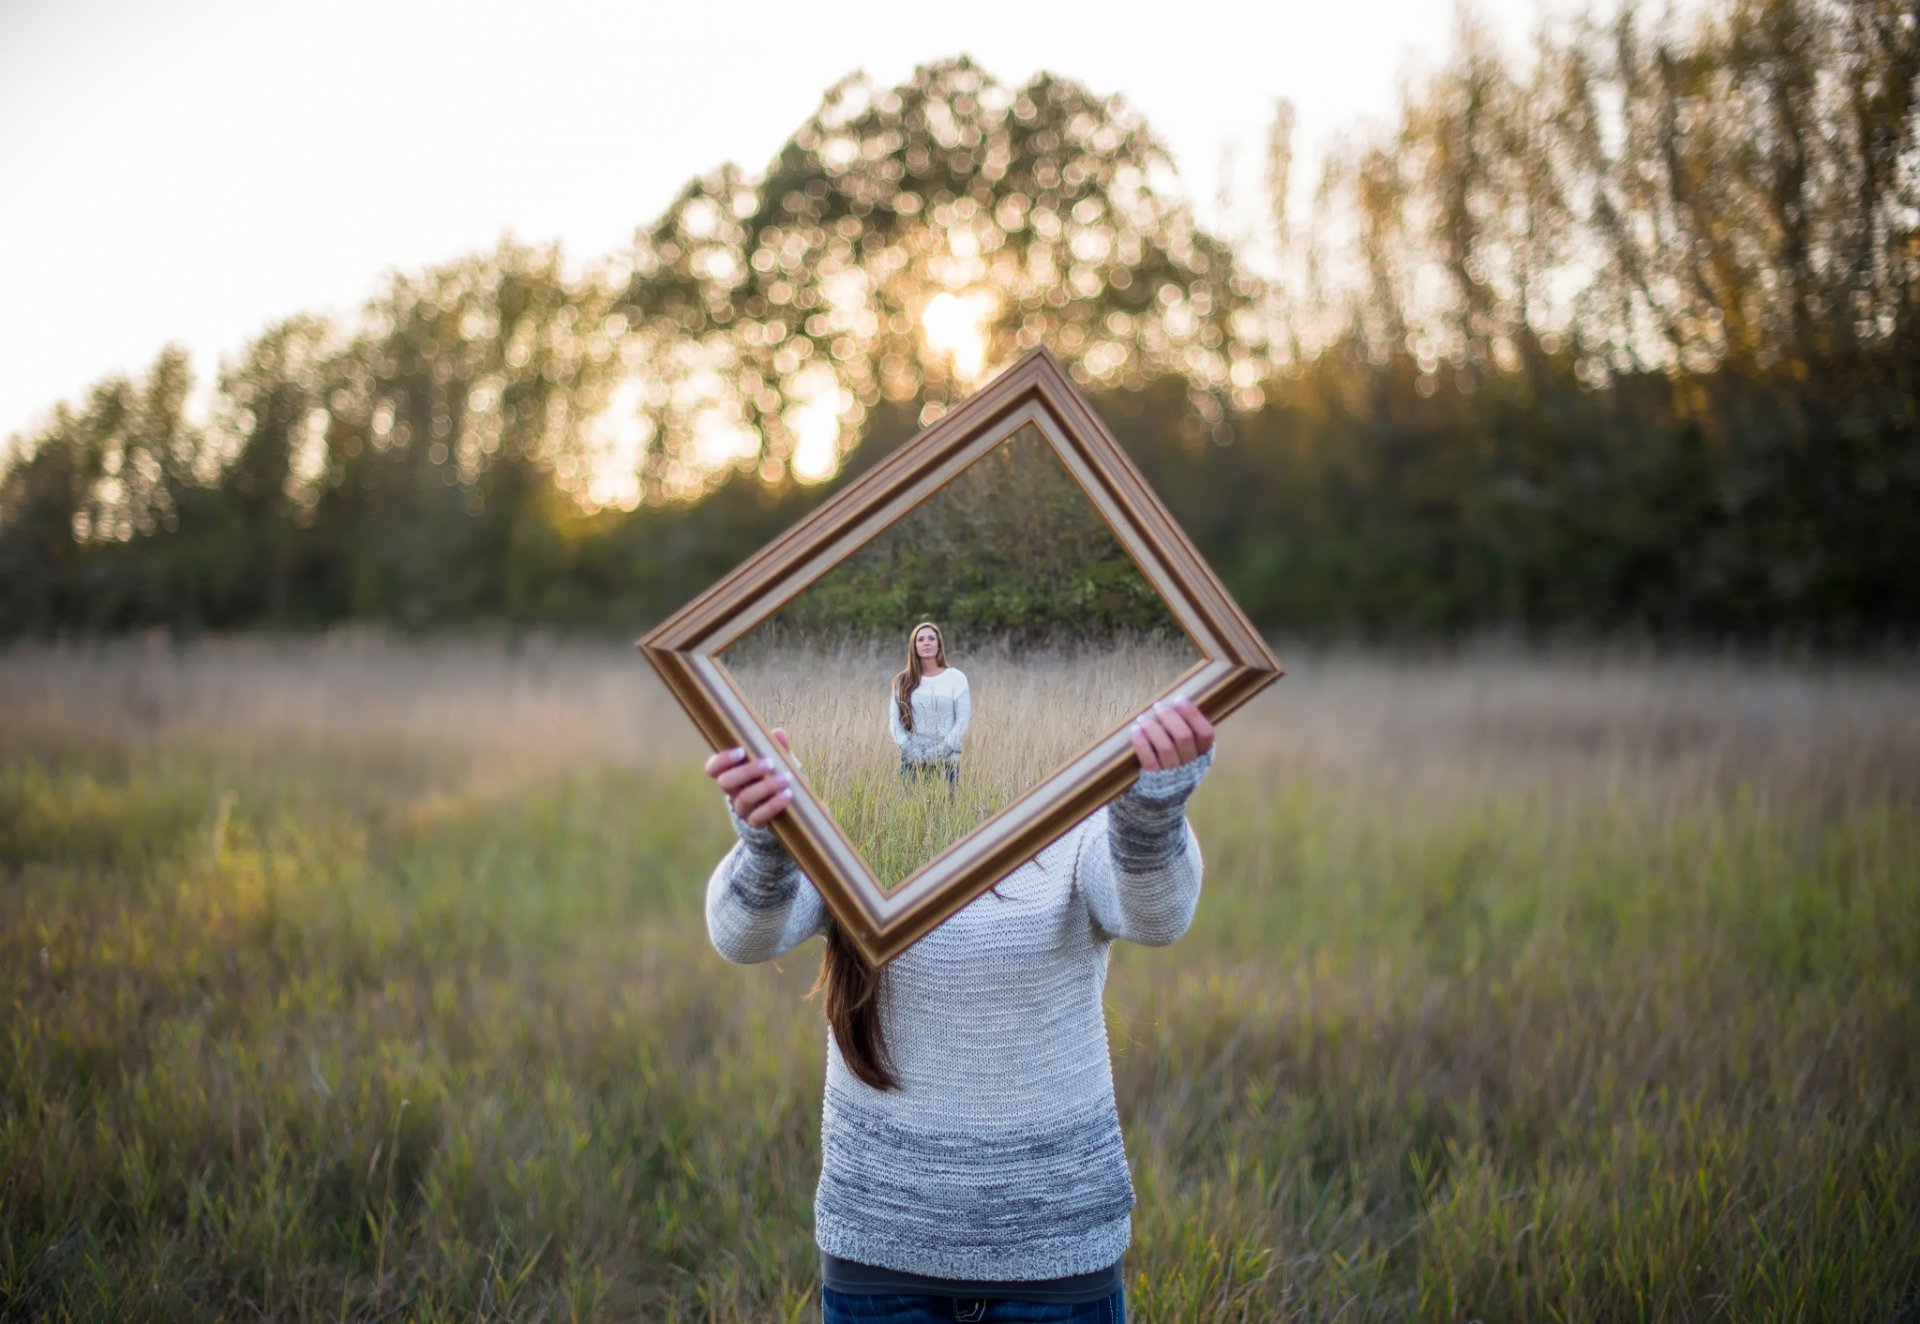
x=355, y=979
x=1034, y=709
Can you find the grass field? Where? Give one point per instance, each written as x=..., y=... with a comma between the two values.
x=347, y=979
x=1034, y=708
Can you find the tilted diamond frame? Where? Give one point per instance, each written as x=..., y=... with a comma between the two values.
x=1234, y=664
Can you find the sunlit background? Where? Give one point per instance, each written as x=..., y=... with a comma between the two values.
x=1514, y=315
x=283, y=160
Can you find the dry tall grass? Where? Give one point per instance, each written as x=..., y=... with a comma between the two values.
x=1462, y=722
x=1034, y=708
x=356, y=979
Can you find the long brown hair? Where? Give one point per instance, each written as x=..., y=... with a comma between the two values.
x=908, y=680
x=851, y=990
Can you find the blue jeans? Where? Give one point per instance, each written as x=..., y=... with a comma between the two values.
x=912, y=774
x=840, y=1308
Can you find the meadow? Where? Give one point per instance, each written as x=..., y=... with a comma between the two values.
x=1034, y=707
x=354, y=979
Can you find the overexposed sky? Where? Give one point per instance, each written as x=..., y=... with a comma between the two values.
x=193, y=170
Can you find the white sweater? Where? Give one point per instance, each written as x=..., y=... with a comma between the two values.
x=942, y=710
x=1000, y=1158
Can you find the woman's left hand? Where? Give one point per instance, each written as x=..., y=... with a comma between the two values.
x=1171, y=733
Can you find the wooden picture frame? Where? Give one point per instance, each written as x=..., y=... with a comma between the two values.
x=1234, y=664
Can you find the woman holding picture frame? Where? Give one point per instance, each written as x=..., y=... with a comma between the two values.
x=972, y=1163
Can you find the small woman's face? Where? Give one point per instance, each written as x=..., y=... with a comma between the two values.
x=927, y=642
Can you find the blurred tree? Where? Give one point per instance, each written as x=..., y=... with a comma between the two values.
x=115, y=473
x=270, y=420
x=46, y=521
x=901, y=243
x=450, y=419
x=1657, y=301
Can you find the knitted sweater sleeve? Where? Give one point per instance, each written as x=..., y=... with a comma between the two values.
x=894, y=728
x=962, y=717
x=759, y=905
x=1141, y=875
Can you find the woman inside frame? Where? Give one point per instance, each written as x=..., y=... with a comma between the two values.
x=929, y=707
x=972, y=1167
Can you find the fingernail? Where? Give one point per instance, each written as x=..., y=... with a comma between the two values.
x=766, y=765
x=736, y=753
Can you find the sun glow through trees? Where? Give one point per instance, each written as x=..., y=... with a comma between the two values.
x=956, y=325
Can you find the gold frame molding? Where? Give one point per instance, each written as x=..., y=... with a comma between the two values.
x=1235, y=664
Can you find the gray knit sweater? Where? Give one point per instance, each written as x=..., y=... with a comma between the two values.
x=1000, y=1158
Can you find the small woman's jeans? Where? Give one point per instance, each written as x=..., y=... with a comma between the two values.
x=842, y=1308
x=912, y=773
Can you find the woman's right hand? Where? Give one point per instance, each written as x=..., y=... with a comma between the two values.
x=757, y=789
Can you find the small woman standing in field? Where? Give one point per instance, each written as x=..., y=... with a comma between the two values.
x=971, y=1160
x=929, y=707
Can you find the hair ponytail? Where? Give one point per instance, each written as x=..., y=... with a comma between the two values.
x=851, y=990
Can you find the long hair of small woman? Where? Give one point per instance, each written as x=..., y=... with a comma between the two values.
x=907, y=680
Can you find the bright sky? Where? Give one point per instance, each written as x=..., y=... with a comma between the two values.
x=195, y=170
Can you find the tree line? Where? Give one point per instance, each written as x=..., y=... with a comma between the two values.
x=1620, y=336
x=1009, y=549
